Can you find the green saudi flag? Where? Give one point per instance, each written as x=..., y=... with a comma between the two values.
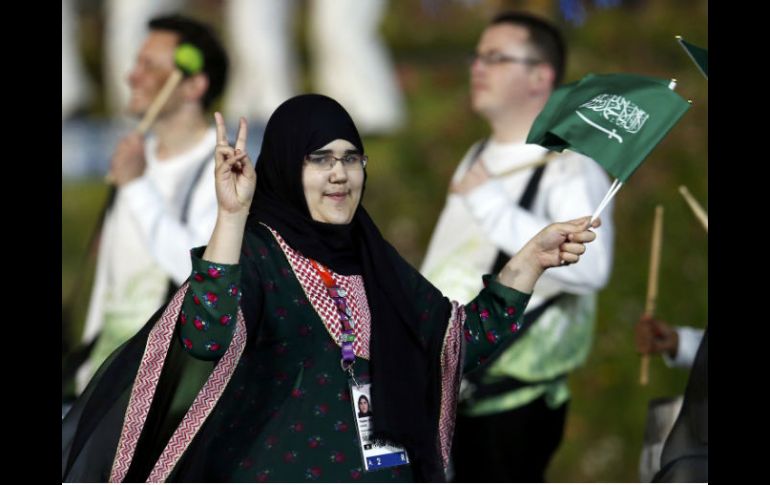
x=699, y=55
x=616, y=119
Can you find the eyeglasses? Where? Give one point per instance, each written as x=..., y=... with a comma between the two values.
x=495, y=58
x=327, y=161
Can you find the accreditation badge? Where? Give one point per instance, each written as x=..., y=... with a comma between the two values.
x=375, y=456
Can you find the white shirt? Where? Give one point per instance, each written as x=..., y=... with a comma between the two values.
x=144, y=241
x=473, y=227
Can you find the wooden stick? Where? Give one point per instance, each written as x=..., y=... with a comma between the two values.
x=152, y=112
x=696, y=208
x=652, y=284
x=534, y=164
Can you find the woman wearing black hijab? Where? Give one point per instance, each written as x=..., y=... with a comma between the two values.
x=297, y=297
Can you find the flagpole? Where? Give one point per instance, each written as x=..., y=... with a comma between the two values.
x=652, y=285
x=680, y=40
x=600, y=207
x=607, y=195
x=607, y=198
x=696, y=208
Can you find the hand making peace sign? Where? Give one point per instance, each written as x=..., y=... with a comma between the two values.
x=235, y=176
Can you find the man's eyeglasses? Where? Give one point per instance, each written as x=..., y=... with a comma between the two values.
x=494, y=58
x=327, y=161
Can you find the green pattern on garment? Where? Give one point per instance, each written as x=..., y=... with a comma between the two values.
x=125, y=313
x=556, y=344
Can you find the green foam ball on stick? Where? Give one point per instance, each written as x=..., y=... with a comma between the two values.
x=188, y=58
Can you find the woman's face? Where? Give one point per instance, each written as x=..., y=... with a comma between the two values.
x=333, y=195
x=363, y=405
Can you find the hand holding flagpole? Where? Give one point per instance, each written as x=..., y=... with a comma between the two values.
x=652, y=284
x=188, y=59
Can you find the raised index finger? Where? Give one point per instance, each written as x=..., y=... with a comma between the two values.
x=221, y=130
x=240, y=142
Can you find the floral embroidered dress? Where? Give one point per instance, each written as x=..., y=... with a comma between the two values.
x=277, y=405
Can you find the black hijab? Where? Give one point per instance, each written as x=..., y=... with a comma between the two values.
x=405, y=370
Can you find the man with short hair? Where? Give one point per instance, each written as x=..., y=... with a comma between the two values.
x=165, y=202
x=512, y=411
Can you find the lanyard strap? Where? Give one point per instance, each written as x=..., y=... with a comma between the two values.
x=339, y=295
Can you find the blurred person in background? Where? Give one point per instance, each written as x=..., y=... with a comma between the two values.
x=512, y=412
x=165, y=201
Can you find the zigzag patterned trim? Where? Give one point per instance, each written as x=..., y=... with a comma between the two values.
x=451, y=375
x=202, y=406
x=322, y=303
x=144, y=386
x=146, y=383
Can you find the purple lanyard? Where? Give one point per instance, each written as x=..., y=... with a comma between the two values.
x=347, y=336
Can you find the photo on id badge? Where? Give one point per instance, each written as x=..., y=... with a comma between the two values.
x=375, y=456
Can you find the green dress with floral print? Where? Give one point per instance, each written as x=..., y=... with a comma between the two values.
x=289, y=415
